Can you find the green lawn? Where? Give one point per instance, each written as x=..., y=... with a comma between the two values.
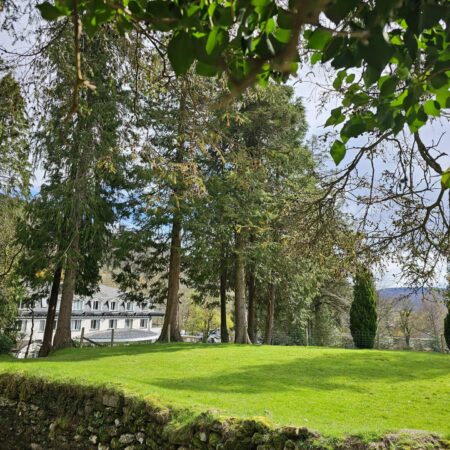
x=333, y=391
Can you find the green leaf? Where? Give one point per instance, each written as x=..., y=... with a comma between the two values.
x=282, y=35
x=332, y=48
x=432, y=108
x=371, y=75
x=205, y=70
x=319, y=38
x=336, y=11
x=180, y=53
x=49, y=11
x=439, y=80
x=338, y=152
x=337, y=83
x=355, y=126
x=445, y=179
x=377, y=52
x=316, y=57
x=335, y=118
x=212, y=40
x=285, y=19
x=387, y=87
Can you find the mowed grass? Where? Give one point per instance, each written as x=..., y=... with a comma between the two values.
x=334, y=391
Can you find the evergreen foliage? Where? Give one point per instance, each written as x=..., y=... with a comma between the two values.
x=447, y=328
x=363, y=312
x=14, y=143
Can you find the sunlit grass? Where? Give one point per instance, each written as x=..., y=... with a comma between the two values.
x=333, y=391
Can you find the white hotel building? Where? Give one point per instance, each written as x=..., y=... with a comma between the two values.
x=98, y=315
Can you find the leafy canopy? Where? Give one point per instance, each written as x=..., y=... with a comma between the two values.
x=401, y=49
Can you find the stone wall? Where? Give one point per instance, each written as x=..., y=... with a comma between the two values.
x=40, y=415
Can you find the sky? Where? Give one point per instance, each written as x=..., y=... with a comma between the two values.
x=308, y=85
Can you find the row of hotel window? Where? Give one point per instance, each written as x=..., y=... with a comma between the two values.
x=112, y=324
x=96, y=305
x=76, y=324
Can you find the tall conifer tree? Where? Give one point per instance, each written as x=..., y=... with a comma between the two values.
x=363, y=312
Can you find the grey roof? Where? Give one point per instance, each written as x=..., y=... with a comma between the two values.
x=123, y=335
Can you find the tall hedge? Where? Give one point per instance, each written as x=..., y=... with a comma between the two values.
x=447, y=327
x=363, y=312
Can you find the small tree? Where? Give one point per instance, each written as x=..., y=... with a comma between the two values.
x=363, y=312
x=447, y=327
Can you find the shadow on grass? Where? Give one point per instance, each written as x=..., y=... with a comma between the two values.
x=352, y=371
x=95, y=353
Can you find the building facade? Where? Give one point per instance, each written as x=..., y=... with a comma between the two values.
x=97, y=316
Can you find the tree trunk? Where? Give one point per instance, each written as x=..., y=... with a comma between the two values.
x=171, y=316
x=252, y=308
x=51, y=314
x=268, y=336
x=63, y=335
x=224, y=336
x=171, y=329
x=240, y=320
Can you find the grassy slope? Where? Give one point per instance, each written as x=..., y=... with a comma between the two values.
x=333, y=391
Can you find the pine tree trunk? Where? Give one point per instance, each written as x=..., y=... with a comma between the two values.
x=224, y=336
x=171, y=316
x=63, y=335
x=240, y=324
x=171, y=325
x=51, y=313
x=268, y=336
x=252, y=308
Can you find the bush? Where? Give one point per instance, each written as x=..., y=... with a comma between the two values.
x=447, y=327
x=6, y=344
x=363, y=312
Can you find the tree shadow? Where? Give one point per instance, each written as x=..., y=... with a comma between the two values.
x=96, y=353
x=324, y=372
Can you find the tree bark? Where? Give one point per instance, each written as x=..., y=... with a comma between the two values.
x=171, y=316
x=252, y=308
x=268, y=336
x=63, y=335
x=51, y=313
x=171, y=329
x=240, y=320
x=224, y=336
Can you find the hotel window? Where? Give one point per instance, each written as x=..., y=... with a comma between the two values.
x=23, y=326
x=144, y=306
x=143, y=323
x=75, y=325
x=41, y=326
x=95, y=305
x=129, y=306
x=112, y=306
x=44, y=303
x=95, y=324
x=77, y=305
x=112, y=324
x=128, y=323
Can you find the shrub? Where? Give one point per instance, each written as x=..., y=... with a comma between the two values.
x=6, y=344
x=363, y=312
x=447, y=327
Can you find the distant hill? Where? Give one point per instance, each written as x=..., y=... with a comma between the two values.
x=416, y=296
